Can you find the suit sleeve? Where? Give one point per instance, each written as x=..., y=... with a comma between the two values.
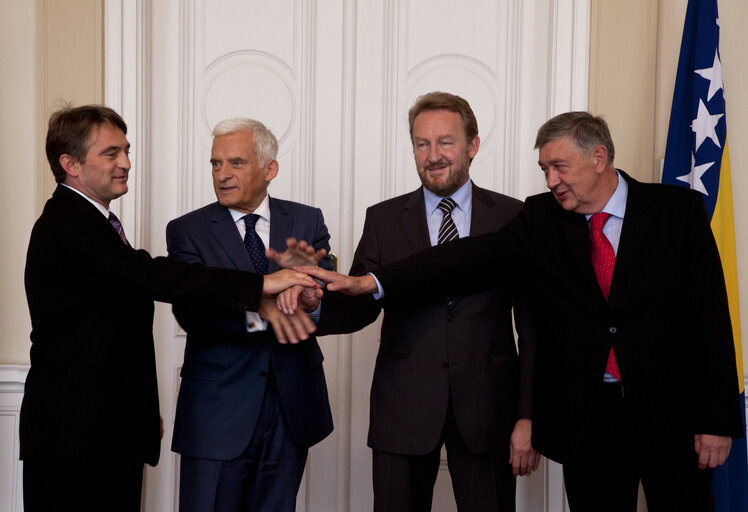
x=527, y=333
x=713, y=376
x=341, y=313
x=107, y=260
x=461, y=267
x=209, y=319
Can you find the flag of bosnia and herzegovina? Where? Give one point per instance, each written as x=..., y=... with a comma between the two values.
x=697, y=156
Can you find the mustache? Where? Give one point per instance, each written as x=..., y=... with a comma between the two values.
x=437, y=165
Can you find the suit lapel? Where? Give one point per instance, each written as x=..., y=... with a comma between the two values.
x=226, y=235
x=485, y=217
x=413, y=221
x=281, y=224
x=636, y=224
x=577, y=233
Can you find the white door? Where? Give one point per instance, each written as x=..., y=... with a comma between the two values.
x=333, y=79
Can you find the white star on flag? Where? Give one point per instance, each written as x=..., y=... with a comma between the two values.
x=704, y=125
x=714, y=75
x=693, y=178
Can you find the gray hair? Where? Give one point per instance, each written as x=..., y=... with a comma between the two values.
x=585, y=131
x=266, y=145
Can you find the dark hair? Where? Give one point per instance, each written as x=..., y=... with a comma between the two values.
x=585, y=131
x=444, y=101
x=69, y=133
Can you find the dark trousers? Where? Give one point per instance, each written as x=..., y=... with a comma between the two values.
x=481, y=482
x=113, y=485
x=266, y=477
x=607, y=475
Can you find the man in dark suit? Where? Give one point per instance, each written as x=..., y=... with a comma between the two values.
x=447, y=372
x=249, y=408
x=90, y=415
x=635, y=374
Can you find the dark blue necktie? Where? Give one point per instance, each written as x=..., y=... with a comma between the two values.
x=254, y=245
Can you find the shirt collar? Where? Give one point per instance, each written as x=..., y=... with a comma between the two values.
x=462, y=196
x=98, y=206
x=616, y=205
x=263, y=210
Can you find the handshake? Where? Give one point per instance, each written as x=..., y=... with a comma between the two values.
x=290, y=294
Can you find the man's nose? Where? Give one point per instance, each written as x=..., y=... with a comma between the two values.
x=220, y=172
x=123, y=162
x=551, y=178
x=433, y=154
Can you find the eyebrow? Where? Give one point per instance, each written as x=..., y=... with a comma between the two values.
x=555, y=161
x=114, y=148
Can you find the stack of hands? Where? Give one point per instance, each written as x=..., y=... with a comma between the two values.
x=289, y=295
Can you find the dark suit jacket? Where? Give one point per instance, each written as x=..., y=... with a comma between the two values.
x=91, y=390
x=225, y=367
x=429, y=355
x=667, y=317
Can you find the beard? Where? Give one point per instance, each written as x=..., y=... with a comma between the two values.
x=456, y=178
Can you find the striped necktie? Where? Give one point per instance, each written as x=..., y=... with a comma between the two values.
x=447, y=233
x=447, y=229
x=114, y=221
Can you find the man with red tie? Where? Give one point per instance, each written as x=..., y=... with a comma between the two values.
x=634, y=377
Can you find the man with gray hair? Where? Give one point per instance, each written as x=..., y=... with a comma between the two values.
x=635, y=377
x=249, y=407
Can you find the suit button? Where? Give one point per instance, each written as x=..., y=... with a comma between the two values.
x=613, y=330
x=263, y=374
x=445, y=365
x=450, y=317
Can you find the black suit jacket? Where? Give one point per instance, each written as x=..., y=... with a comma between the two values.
x=225, y=368
x=667, y=317
x=430, y=355
x=91, y=390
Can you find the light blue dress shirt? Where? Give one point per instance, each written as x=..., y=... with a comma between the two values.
x=463, y=196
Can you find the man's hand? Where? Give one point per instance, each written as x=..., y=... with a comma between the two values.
x=288, y=328
x=522, y=457
x=297, y=254
x=712, y=450
x=308, y=298
x=348, y=285
x=276, y=282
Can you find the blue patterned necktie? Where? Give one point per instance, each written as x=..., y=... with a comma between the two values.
x=118, y=226
x=253, y=243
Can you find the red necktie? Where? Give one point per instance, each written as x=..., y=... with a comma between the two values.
x=603, y=260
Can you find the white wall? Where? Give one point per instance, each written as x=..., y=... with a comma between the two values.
x=333, y=80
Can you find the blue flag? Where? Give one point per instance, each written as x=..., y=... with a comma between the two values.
x=697, y=157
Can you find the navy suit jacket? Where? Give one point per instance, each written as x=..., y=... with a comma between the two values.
x=225, y=367
x=91, y=390
x=667, y=316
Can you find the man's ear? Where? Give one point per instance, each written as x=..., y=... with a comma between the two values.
x=271, y=170
x=70, y=165
x=600, y=155
x=473, y=147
